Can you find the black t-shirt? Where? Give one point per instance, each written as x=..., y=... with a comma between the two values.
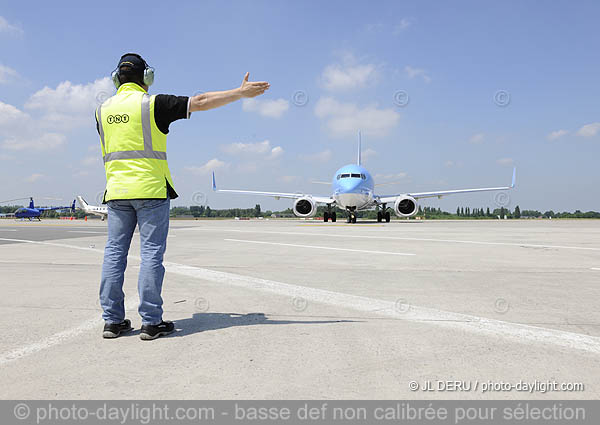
x=169, y=108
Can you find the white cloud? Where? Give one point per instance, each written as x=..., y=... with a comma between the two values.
x=51, y=114
x=323, y=156
x=9, y=28
x=505, y=161
x=257, y=148
x=477, y=138
x=368, y=153
x=403, y=25
x=557, y=134
x=11, y=117
x=267, y=108
x=450, y=163
x=91, y=160
x=390, y=176
x=43, y=142
x=70, y=105
x=417, y=72
x=589, y=130
x=211, y=165
x=7, y=74
x=338, y=77
x=34, y=177
x=276, y=152
x=241, y=148
x=344, y=119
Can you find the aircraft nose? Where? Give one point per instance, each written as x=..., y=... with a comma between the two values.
x=349, y=185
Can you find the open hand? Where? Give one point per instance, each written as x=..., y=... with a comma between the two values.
x=252, y=88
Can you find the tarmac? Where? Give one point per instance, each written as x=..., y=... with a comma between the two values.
x=300, y=309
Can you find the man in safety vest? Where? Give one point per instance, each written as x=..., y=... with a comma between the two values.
x=133, y=127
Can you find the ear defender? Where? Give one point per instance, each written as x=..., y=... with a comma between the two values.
x=148, y=75
x=114, y=76
x=148, y=78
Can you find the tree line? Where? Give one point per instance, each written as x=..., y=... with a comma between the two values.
x=423, y=212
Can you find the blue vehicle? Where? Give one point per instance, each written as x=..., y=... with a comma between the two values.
x=353, y=189
x=32, y=211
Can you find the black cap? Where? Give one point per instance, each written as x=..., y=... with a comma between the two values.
x=132, y=60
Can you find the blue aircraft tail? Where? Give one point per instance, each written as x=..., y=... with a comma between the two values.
x=31, y=203
x=73, y=206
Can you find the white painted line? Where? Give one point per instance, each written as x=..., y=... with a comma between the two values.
x=86, y=231
x=52, y=340
x=478, y=325
x=319, y=247
x=64, y=336
x=60, y=245
x=8, y=230
x=595, y=268
x=463, y=322
x=337, y=235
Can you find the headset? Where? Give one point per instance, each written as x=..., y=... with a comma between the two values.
x=148, y=78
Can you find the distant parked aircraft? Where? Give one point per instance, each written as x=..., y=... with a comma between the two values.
x=92, y=209
x=35, y=212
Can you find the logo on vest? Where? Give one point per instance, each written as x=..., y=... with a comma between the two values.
x=117, y=119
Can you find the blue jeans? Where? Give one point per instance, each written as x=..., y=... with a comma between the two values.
x=152, y=217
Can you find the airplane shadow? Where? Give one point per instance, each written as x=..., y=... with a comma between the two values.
x=202, y=322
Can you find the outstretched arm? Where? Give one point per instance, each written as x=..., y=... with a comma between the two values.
x=211, y=100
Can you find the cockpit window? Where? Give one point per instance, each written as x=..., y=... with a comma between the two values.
x=356, y=175
x=345, y=176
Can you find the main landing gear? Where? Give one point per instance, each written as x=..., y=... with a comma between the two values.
x=383, y=214
x=329, y=215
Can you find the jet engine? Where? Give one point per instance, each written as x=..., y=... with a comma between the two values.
x=304, y=207
x=405, y=206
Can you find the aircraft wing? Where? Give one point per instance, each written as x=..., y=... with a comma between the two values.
x=439, y=194
x=276, y=195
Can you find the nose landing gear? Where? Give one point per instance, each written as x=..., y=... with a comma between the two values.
x=351, y=216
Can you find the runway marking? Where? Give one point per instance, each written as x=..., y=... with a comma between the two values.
x=86, y=231
x=595, y=268
x=320, y=247
x=399, y=238
x=60, y=337
x=491, y=327
x=410, y=313
x=8, y=230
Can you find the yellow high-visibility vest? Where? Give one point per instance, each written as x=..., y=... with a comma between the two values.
x=133, y=148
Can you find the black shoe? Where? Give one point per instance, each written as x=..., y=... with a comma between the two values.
x=116, y=329
x=150, y=332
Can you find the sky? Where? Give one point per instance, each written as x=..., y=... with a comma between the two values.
x=447, y=95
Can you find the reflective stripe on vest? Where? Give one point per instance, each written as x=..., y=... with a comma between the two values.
x=148, y=152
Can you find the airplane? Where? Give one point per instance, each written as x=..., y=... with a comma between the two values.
x=91, y=209
x=35, y=212
x=354, y=190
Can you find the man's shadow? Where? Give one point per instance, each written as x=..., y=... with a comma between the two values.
x=201, y=322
